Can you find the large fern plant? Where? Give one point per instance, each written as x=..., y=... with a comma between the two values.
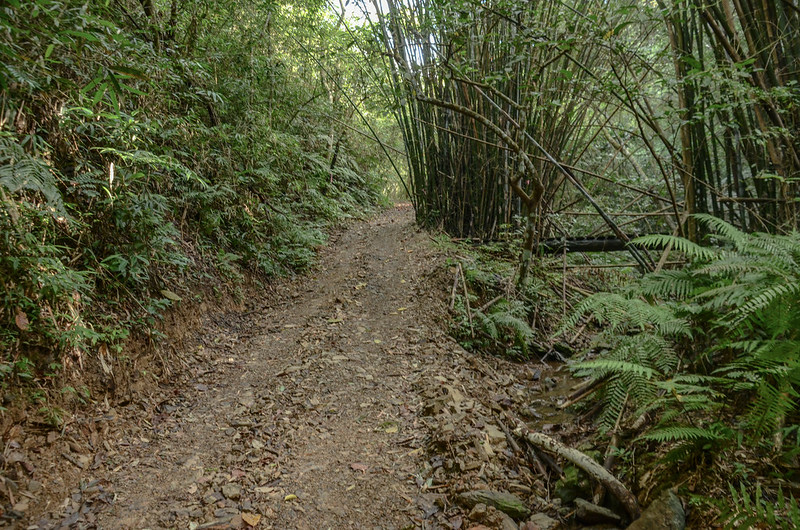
x=21, y=172
x=712, y=351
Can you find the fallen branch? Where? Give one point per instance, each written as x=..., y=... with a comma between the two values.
x=518, y=450
x=588, y=465
x=490, y=303
x=540, y=460
x=583, y=391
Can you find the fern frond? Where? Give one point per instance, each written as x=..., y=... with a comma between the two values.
x=622, y=314
x=21, y=171
x=764, y=298
x=723, y=228
x=679, y=433
x=668, y=283
x=607, y=366
x=750, y=510
x=521, y=329
x=146, y=158
x=692, y=250
x=485, y=324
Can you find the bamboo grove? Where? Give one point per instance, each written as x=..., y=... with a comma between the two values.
x=528, y=113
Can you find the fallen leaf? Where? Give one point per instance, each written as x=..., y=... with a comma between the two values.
x=103, y=352
x=251, y=519
x=391, y=429
x=357, y=466
x=22, y=320
x=193, y=489
x=170, y=295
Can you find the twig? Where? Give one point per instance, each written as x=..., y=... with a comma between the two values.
x=466, y=301
x=564, y=285
x=490, y=303
x=518, y=450
x=455, y=286
x=582, y=392
x=615, y=265
x=578, y=333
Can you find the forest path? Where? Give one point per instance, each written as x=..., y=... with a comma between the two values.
x=336, y=401
x=302, y=415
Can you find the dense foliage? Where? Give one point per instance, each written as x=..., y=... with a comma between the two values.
x=539, y=114
x=533, y=120
x=150, y=146
x=146, y=147
x=708, y=354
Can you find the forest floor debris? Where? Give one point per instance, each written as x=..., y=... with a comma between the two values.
x=343, y=404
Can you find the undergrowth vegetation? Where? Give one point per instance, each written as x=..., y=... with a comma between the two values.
x=495, y=313
x=700, y=365
x=147, y=149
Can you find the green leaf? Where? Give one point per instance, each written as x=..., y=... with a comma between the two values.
x=127, y=70
x=98, y=95
x=82, y=34
x=129, y=88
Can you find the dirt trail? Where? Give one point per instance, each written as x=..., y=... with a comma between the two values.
x=310, y=400
x=342, y=404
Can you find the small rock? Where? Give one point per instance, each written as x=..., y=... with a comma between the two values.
x=226, y=512
x=478, y=512
x=506, y=522
x=541, y=521
x=211, y=498
x=505, y=502
x=664, y=513
x=34, y=486
x=232, y=491
x=495, y=434
x=21, y=506
x=180, y=511
x=592, y=513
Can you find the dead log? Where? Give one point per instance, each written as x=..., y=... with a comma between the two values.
x=589, y=466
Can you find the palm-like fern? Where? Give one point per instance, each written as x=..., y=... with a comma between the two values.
x=21, y=171
x=755, y=511
x=506, y=322
x=741, y=304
